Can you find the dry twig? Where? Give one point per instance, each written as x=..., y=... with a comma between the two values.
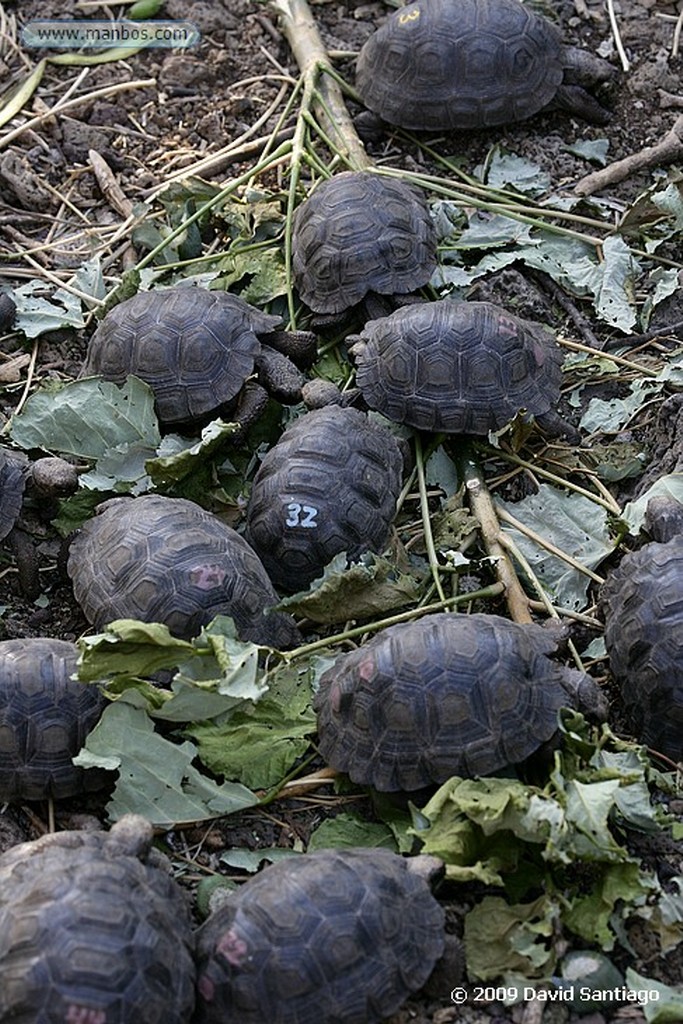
x=670, y=148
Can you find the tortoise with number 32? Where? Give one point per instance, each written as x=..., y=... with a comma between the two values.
x=329, y=485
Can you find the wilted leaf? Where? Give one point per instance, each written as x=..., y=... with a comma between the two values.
x=131, y=648
x=156, y=777
x=611, y=414
x=366, y=589
x=502, y=169
x=489, y=230
x=214, y=663
x=670, y=485
x=500, y=938
x=594, y=150
x=36, y=315
x=185, y=456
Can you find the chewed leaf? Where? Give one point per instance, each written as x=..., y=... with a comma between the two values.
x=573, y=524
x=86, y=418
x=156, y=778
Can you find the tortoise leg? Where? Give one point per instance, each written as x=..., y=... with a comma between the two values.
x=279, y=376
x=552, y=424
x=575, y=100
x=26, y=559
x=251, y=405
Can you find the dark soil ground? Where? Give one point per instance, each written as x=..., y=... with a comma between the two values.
x=182, y=106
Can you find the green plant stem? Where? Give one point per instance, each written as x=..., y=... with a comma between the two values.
x=609, y=505
x=372, y=627
x=274, y=158
x=426, y=521
x=301, y=31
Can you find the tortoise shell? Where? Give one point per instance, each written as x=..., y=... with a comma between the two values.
x=45, y=717
x=94, y=929
x=195, y=348
x=642, y=603
x=458, y=367
x=13, y=471
x=442, y=64
x=330, y=484
x=357, y=233
x=168, y=560
x=338, y=935
x=446, y=695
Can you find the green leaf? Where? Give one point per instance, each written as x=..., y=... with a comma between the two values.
x=594, y=150
x=366, y=589
x=86, y=418
x=131, y=648
x=589, y=916
x=661, y=1004
x=251, y=860
x=460, y=822
x=259, y=743
x=572, y=523
x=178, y=457
x=588, y=808
x=348, y=830
x=261, y=275
x=670, y=485
x=156, y=777
x=500, y=938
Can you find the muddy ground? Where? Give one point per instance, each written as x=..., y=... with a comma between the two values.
x=181, y=107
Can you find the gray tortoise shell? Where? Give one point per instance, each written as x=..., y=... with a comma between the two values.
x=458, y=367
x=336, y=935
x=360, y=232
x=195, y=348
x=449, y=694
x=642, y=602
x=13, y=471
x=168, y=560
x=45, y=716
x=329, y=485
x=442, y=64
x=93, y=928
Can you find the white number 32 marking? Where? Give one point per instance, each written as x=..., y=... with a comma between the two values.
x=301, y=515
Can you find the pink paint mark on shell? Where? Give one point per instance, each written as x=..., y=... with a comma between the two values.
x=208, y=576
x=232, y=948
x=366, y=668
x=206, y=987
x=76, y=1013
